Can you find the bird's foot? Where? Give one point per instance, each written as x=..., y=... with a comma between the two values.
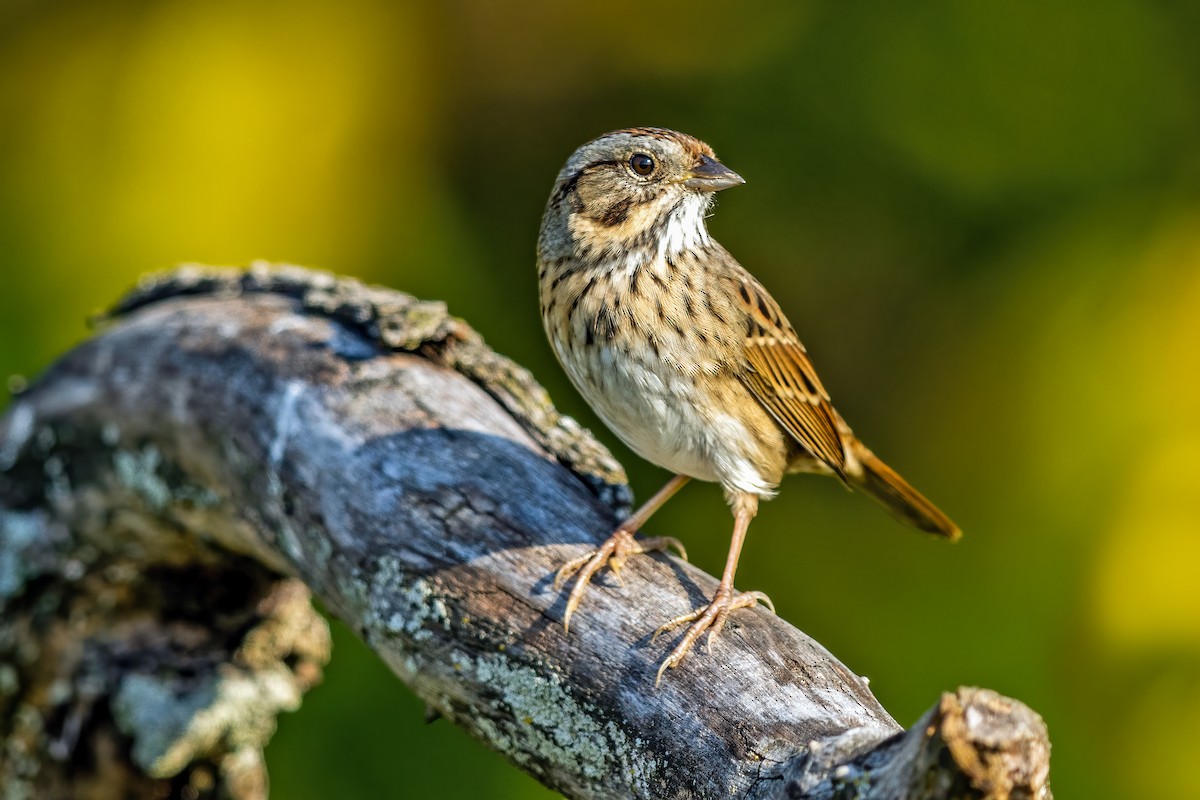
x=613, y=553
x=710, y=618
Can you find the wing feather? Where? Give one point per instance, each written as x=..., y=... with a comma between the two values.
x=782, y=378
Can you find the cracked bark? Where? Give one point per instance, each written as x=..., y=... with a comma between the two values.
x=172, y=490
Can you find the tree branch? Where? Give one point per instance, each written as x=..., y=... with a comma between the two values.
x=172, y=489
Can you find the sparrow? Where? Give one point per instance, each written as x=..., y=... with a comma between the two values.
x=685, y=356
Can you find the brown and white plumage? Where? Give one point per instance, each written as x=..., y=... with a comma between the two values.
x=681, y=351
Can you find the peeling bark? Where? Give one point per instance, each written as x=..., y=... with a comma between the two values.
x=173, y=489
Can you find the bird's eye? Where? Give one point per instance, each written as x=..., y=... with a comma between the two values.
x=641, y=163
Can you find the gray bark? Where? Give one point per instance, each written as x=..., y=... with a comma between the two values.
x=173, y=489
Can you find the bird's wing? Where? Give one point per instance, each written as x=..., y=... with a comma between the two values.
x=782, y=378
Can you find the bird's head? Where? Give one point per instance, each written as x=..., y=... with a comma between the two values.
x=633, y=191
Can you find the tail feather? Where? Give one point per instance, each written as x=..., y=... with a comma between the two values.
x=903, y=501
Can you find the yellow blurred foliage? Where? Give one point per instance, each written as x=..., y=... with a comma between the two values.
x=1146, y=587
x=224, y=131
x=1145, y=592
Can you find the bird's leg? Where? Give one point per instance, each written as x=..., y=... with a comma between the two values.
x=619, y=547
x=712, y=617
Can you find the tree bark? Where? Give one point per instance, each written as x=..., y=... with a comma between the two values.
x=172, y=490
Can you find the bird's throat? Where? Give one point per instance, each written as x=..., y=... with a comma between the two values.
x=648, y=233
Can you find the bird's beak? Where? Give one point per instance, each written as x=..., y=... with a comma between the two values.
x=711, y=175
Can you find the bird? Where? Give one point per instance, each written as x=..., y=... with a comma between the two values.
x=686, y=357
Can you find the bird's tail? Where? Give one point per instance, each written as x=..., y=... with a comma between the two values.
x=903, y=501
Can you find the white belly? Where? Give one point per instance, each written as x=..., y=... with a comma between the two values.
x=651, y=405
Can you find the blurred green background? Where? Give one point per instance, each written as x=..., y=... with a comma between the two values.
x=984, y=220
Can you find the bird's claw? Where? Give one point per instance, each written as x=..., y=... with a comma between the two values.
x=613, y=554
x=710, y=619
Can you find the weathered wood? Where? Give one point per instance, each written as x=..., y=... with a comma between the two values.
x=169, y=488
